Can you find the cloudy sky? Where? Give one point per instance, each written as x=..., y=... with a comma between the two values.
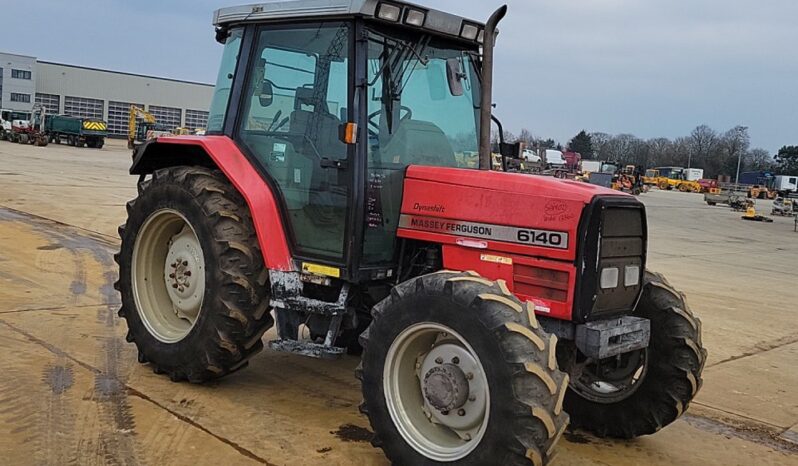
x=649, y=67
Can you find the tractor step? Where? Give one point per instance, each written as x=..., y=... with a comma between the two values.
x=307, y=348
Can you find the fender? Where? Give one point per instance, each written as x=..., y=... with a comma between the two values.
x=221, y=152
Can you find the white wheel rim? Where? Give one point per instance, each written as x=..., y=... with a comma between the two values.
x=438, y=435
x=168, y=275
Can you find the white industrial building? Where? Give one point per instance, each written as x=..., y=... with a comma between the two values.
x=95, y=93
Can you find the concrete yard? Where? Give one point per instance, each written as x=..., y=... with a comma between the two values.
x=72, y=392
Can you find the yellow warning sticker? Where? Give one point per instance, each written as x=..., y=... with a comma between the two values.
x=496, y=259
x=318, y=269
x=95, y=125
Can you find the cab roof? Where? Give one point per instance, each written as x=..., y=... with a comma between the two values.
x=433, y=20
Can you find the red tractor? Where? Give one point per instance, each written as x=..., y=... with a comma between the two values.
x=332, y=197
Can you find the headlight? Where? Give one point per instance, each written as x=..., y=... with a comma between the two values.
x=631, y=275
x=415, y=17
x=389, y=12
x=609, y=278
x=469, y=31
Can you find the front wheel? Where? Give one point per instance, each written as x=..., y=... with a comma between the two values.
x=640, y=392
x=194, y=287
x=456, y=370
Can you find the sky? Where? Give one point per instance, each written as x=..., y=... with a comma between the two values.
x=653, y=68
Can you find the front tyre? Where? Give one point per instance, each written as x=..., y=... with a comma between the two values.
x=639, y=393
x=191, y=275
x=456, y=370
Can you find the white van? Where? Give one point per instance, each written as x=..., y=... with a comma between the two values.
x=692, y=174
x=785, y=183
x=554, y=158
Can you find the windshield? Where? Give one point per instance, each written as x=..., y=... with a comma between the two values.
x=417, y=115
x=12, y=115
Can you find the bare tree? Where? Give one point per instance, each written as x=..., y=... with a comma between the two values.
x=736, y=142
x=759, y=160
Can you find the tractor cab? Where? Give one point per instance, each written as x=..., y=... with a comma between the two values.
x=333, y=107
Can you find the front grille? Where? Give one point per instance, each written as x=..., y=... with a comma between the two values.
x=613, y=235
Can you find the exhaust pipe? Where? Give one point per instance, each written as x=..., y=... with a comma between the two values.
x=486, y=105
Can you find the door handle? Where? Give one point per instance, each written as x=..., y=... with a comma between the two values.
x=331, y=163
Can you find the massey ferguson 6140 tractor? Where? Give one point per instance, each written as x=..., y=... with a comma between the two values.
x=338, y=192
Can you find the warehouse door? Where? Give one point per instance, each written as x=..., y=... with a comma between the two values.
x=119, y=116
x=83, y=107
x=168, y=117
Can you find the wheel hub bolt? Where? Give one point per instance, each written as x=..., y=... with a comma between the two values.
x=461, y=412
x=470, y=376
x=185, y=263
x=455, y=360
x=174, y=285
x=439, y=360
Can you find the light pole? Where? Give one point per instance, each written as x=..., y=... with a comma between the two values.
x=740, y=151
x=739, y=159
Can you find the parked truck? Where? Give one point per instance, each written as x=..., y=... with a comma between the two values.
x=7, y=118
x=784, y=184
x=76, y=131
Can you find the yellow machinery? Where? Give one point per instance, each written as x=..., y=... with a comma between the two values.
x=667, y=178
x=148, y=128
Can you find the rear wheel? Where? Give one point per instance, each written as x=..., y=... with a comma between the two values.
x=640, y=392
x=456, y=370
x=193, y=283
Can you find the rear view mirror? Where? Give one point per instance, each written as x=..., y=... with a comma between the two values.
x=266, y=96
x=455, y=75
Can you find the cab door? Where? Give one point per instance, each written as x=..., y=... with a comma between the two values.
x=294, y=101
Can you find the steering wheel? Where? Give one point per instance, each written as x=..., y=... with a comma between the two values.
x=376, y=126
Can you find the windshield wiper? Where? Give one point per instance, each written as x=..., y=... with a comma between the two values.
x=398, y=67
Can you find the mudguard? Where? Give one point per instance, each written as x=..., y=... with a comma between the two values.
x=224, y=154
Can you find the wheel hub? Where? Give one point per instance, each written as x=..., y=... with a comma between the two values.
x=453, y=387
x=168, y=275
x=436, y=391
x=445, y=387
x=184, y=274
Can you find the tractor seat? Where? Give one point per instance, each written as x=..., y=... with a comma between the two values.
x=318, y=125
x=417, y=142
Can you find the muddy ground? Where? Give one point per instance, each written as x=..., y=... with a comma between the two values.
x=71, y=391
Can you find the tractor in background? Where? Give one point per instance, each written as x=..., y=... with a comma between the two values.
x=332, y=192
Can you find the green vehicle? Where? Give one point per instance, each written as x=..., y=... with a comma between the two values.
x=76, y=131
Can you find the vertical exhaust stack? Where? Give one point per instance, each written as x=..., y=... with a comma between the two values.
x=486, y=104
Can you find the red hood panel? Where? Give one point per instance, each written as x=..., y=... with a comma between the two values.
x=537, y=203
x=511, y=182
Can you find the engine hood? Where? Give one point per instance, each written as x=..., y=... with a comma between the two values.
x=503, y=210
x=517, y=183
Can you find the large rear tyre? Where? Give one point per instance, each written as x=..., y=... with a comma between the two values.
x=456, y=370
x=192, y=279
x=641, y=392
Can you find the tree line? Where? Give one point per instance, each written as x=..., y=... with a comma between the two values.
x=718, y=153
